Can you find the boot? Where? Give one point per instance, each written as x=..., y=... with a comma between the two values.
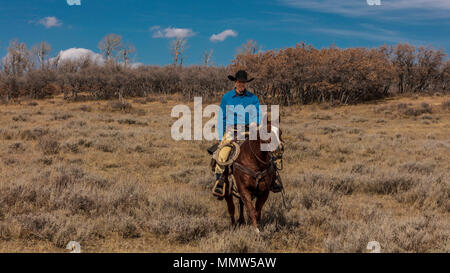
x=276, y=184
x=219, y=187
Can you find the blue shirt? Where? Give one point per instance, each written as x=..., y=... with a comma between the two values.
x=234, y=110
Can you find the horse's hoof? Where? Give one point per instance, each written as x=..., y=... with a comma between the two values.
x=257, y=231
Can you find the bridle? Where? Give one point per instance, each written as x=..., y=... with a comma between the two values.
x=257, y=175
x=256, y=156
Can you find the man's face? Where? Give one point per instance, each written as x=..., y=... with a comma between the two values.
x=240, y=86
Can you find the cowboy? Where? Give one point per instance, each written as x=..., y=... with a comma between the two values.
x=238, y=107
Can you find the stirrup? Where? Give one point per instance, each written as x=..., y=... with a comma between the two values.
x=214, y=192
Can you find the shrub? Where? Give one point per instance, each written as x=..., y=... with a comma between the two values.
x=120, y=106
x=19, y=118
x=85, y=108
x=296, y=75
x=16, y=147
x=242, y=240
x=49, y=146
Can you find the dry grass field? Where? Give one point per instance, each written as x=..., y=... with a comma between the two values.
x=109, y=176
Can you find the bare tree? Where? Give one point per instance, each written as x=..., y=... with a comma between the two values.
x=207, y=57
x=177, y=48
x=126, y=53
x=403, y=60
x=109, y=45
x=250, y=47
x=41, y=51
x=18, y=60
x=53, y=63
x=1, y=63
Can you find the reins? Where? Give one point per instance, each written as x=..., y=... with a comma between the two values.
x=257, y=157
x=259, y=175
x=256, y=175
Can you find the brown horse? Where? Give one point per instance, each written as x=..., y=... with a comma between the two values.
x=253, y=171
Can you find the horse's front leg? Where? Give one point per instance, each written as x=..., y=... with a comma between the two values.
x=230, y=204
x=260, y=203
x=241, y=219
x=245, y=195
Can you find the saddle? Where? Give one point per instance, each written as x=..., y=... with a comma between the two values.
x=231, y=164
x=235, y=150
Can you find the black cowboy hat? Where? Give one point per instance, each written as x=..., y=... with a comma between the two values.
x=240, y=76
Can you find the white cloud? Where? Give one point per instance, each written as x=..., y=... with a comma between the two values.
x=136, y=65
x=171, y=32
x=223, y=35
x=75, y=54
x=419, y=9
x=74, y=2
x=416, y=4
x=153, y=28
x=356, y=33
x=50, y=21
x=369, y=33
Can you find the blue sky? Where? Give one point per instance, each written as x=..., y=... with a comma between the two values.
x=150, y=25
